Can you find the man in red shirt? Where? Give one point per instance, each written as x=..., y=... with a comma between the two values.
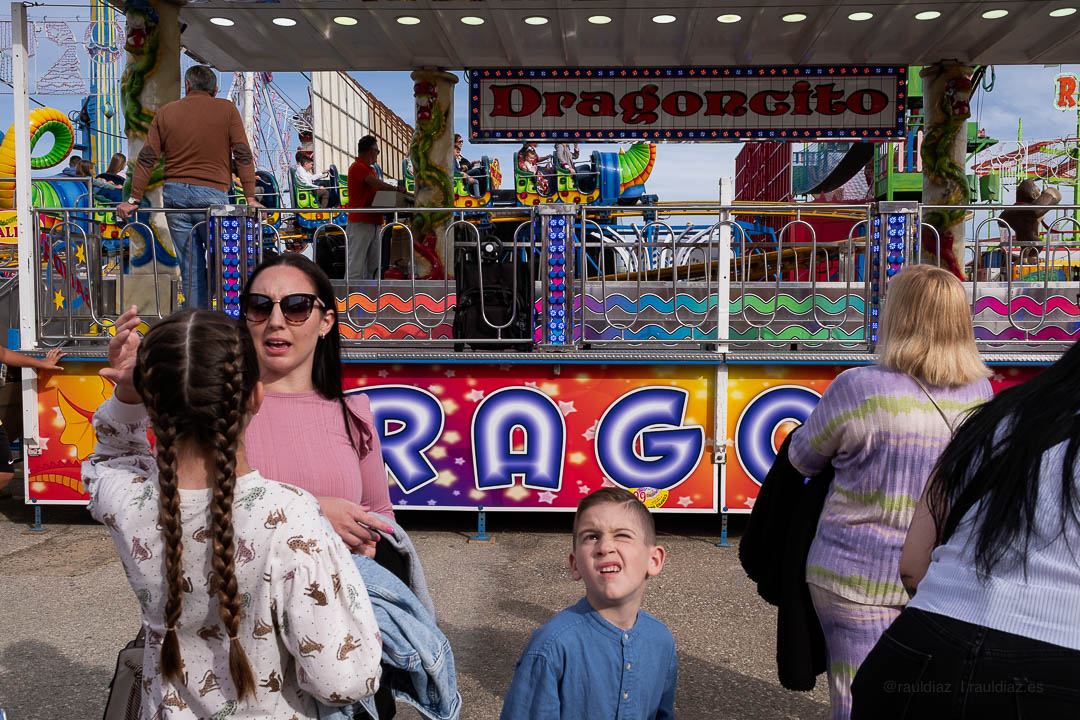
x=364, y=182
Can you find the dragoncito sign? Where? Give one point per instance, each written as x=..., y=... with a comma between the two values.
x=722, y=103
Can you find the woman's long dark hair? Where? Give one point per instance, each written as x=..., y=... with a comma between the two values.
x=993, y=464
x=326, y=369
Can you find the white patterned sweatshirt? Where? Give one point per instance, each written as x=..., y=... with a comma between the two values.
x=307, y=624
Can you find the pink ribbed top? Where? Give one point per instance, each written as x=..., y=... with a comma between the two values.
x=299, y=438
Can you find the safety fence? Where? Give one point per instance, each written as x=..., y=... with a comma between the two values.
x=557, y=278
x=1023, y=270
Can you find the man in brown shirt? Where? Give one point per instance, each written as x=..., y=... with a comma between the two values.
x=200, y=135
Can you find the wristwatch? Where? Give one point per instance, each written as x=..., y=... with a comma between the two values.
x=133, y=201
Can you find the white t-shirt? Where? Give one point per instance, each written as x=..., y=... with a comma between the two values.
x=1039, y=599
x=307, y=178
x=307, y=626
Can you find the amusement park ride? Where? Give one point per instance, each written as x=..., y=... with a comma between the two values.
x=612, y=339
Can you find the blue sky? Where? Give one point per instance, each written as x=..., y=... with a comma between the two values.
x=683, y=171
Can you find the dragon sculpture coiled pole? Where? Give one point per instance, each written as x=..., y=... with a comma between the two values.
x=947, y=91
x=151, y=79
x=431, y=155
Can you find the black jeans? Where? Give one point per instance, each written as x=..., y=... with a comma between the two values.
x=929, y=666
x=384, y=698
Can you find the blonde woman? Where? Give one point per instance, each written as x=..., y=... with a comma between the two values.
x=882, y=428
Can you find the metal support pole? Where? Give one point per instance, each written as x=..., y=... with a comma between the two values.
x=37, y=527
x=723, y=321
x=28, y=240
x=723, y=324
x=249, y=106
x=28, y=274
x=1076, y=170
x=723, y=531
x=481, y=535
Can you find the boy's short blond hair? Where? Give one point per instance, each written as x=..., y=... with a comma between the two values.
x=624, y=498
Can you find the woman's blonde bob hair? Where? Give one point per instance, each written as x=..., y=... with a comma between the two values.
x=926, y=329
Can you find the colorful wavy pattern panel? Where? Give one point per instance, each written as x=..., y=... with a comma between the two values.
x=1023, y=310
x=1048, y=333
x=1027, y=304
x=651, y=331
x=391, y=300
x=798, y=306
x=401, y=332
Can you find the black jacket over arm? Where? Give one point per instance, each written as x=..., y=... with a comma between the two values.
x=773, y=553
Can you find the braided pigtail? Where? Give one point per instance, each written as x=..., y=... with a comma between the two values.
x=196, y=371
x=226, y=437
x=169, y=519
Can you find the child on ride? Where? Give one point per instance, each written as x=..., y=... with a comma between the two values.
x=306, y=177
x=251, y=603
x=529, y=162
x=603, y=657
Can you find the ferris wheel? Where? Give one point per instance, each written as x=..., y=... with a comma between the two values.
x=274, y=120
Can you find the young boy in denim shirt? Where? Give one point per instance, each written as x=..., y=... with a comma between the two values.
x=603, y=657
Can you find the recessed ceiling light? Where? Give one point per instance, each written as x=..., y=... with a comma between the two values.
x=472, y=20
x=860, y=16
x=599, y=19
x=284, y=22
x=536, y=20
x=223, y=22
x=995, y=14
x=664, y=19
x=408, y=20
x=1063, y=12
x=345, y=20
x=729, y=18
x=793, y=17
x=928, y=15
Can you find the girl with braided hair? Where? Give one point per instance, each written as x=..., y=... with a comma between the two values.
x=252, y=605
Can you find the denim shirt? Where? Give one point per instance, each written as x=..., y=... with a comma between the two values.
x=413, y=644
x=579, y=665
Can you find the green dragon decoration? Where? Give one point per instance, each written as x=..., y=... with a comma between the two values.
x=939, y=166
x=430, y=125
x=144, y=47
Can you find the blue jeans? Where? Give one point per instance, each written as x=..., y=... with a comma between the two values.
x=191, y=246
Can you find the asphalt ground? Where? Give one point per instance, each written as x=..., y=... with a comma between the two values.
x=66, y=609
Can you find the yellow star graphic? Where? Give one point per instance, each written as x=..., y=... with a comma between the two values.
x=58, y=300
x=80, y=253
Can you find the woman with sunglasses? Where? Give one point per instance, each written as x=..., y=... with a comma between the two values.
x=307, y=432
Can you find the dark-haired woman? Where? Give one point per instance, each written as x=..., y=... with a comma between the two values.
x=993, y=551
x=252, y=605
x=307, y=432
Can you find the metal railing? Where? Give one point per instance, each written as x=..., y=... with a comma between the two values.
x=641, y=279
x=1024, y=294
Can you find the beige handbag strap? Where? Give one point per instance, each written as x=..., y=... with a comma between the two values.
x=941, y=412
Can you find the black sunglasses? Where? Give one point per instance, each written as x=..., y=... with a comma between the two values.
x=296, y=307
